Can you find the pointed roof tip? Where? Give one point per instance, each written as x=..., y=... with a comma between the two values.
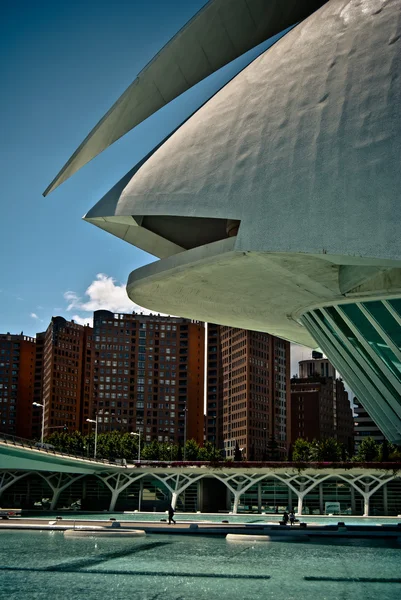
x=188, y=58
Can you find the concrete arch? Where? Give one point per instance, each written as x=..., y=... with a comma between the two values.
x=16, y=478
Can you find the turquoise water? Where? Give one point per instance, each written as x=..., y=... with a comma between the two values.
x=45, y=565
x=155, y=517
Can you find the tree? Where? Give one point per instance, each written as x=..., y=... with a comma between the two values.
x=328, y=449
x=368, y=450
x=151, y=451
x=237, y=453
x=209, y=452
x=384, y=451
x=301, y=450
x=272, y=449
x=191, y=450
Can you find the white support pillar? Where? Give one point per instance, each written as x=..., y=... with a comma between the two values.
x=321, y=499
x=290, y=502
x=174, y=498
x=366, y=497
x=55, y=498
x=115, y=492
x=385, y=500
x=300, y=504
x=237, y=496
x=300, y=495
x=353, y=505
x=199, y=502
x=140, y=495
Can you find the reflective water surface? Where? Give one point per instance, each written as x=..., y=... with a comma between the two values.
x=42, y=565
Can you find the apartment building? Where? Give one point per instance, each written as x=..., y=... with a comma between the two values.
x=247, y=392
x=147, y=376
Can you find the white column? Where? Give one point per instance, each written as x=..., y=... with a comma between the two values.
x=114, y=494
x=140, y=494
x=114, y=497
x=300, y=495
x=321, y=499
x=353, y=505
x=385, y=500
x=237, y=496
x=199, y=503
x=366, y=496
x=259, y=497
x=55, y=498
x=300, y=503
x=174, y=499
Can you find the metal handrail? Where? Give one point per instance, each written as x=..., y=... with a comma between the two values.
x=32, y=445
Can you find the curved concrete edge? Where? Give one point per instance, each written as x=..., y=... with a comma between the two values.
x=85, y=531
x=237, y=537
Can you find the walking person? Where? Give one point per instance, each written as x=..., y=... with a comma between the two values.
x=292, y=518
x=285, y=517
x=171, y=515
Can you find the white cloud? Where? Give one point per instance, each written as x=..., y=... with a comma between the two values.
x=104, y=293
x=34, y=316
x=82, y=320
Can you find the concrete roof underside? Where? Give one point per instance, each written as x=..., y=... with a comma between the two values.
x=220, y=32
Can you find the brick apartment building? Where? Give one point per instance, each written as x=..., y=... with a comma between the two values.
x=17, y=373
x=320, y=406
x=64, y=349
x=248, y=392
x=147, y=376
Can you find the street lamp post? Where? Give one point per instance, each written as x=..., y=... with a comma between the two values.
x=94, y=421
x=139, y=444
x=43, y=419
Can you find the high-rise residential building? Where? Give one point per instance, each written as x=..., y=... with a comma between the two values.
x=17, y=372
x=364, y=426
x=38, y=387
x=247, y=392
x=320, y=406
x=148, y=376
x=64, y=350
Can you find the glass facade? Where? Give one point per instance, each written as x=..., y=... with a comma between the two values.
x=363, y=341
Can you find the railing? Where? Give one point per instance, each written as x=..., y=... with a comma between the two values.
x=32, y=445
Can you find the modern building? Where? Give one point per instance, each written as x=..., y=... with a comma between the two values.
x=320, y=407
x=63, y=374
x=364, y=426
x=17, y=374
x=247, y=392
x=316, y=366
x=274, y=206
x=147, y=376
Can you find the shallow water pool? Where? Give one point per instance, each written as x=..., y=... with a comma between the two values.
x=44, y=565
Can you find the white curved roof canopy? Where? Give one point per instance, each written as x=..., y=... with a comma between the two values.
x=220, y=32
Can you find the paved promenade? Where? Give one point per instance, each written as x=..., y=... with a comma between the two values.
x=220, y=529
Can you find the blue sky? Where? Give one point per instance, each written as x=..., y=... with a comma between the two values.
x=64, y=65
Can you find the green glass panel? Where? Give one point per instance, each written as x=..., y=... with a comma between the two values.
x=380, y=313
